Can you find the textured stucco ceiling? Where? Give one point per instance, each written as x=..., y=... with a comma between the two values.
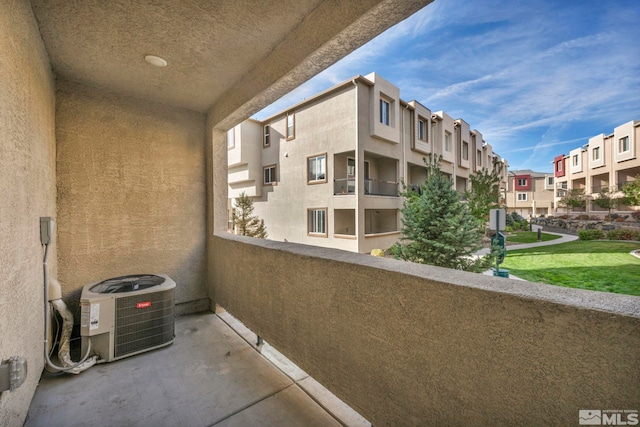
x=212, y=47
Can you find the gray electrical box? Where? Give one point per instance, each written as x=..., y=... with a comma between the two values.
x=47, y=225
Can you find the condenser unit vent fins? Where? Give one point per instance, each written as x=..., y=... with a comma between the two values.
x=143, y=322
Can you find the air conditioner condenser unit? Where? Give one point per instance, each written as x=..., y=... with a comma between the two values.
x=127, y=315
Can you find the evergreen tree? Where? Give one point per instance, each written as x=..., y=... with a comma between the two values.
x=438, y=228
x=244, y=223
x=485, y=191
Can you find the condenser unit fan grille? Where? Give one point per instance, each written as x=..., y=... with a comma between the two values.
x=143, y=321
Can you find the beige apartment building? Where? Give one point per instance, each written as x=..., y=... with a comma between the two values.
x=606, y=161
x=530, y=193
x=328, y=171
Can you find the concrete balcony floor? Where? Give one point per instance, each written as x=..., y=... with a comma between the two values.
x=213, y=374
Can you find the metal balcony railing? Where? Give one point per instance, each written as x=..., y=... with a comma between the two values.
x=372, y=187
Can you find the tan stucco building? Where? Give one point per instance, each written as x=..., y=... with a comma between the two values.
x=328, y=171
x=131, y=162
x=530, y=193
x=606, y=161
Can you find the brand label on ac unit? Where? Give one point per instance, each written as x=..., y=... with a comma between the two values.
x=94, y=317
x=144, y=304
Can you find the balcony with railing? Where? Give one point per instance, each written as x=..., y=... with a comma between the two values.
x=409, y=344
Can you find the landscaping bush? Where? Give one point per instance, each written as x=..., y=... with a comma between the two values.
x=623, y=234
x=508, y=229
x=591, y=234
x=583, y=217
x=620, y=219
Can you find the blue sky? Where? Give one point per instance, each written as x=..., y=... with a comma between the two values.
x=536, y=78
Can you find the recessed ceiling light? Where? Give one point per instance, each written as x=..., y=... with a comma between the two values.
x=155, y=60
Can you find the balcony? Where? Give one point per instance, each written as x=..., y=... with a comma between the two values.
x=213, y=374
x=372, y=187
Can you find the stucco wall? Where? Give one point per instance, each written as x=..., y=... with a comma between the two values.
x=131, y=190
x=407, y=344
x=27, y=192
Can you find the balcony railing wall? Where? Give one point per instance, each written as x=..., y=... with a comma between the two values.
x=372, y=187
x=408, y=344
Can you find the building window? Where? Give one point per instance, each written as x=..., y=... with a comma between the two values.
x=317, y=221
x=465, y=150
x=269, y=175
x=595, y=154
x=522, y=197
x=384, y=112
x=291, y=126
x=266, y=140
x=559, y=166
x=574, y=159
x=447, y=141
x=623, y=144
x=479, y=158
x=351, y=167
x=522, y=182
x=317, y=169
x=549, y=181
x=422, y=129
x=230, y=139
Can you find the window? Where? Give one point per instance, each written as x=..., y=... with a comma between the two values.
x=230, y=139
x=465, y=150
x=317, y=221
x=559, y=166
x=384, y=112
x=351, y=167
x=422, y=129
x=269, y=175
x=266, y=140
x=291, y=126
x=317, y=169
x=479, y=158
x=574, y=159
x=623, y=144
x=447, y=141
x=522, y=182
x=595, y=154
x=522, y=197
x=549, y=181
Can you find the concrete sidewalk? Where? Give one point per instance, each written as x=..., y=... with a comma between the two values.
x=563, y=239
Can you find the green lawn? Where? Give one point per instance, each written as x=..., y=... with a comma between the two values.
x=597, y=265
x=529, y=237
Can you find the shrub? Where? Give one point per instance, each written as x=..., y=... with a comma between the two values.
x=623, y=234
x=377, y=252
x=620, y=219
x=583, y=217
x=591, y=234
x=508, y=229
x=636, y=215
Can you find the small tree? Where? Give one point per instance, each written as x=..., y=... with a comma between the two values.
x=485, y=191
x=606, y=199
x=438, y=228
x=575, y=198
x=244, y=223
x=631, y=192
